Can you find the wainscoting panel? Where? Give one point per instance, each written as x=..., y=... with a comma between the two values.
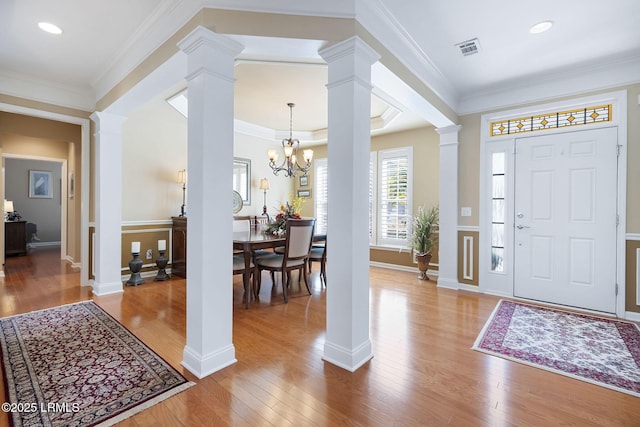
x=147, y=233
x=468, y=256
x=632, y=278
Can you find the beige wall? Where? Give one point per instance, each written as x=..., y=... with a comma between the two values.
x=154, y=149
x=633, y=159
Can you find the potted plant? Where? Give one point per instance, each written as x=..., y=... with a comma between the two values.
x=424, y=237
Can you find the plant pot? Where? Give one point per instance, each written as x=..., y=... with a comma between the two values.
x=423, y=265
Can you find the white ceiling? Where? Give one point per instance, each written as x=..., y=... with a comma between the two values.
x=593, y=44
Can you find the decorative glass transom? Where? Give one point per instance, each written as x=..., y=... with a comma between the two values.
x=580, y=116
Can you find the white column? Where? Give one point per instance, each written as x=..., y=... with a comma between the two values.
x=448, y=230
x=210, y=80
x=108, y=202
x=347, y=343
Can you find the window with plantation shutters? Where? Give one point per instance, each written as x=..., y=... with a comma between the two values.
x=394, y=196
x=390, y=177
x=321, y=195
x=372, y=197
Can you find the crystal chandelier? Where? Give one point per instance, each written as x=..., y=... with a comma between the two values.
x=290, y=147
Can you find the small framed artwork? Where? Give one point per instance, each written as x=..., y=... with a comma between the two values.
x=305, y=194
x=304, y=181
x=72, y=185
x=40, y=185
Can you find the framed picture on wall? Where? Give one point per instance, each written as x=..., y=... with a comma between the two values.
x=304, y=193
x=40, y=185
x=304, y=181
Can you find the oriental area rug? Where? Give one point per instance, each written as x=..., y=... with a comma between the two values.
x=598, y=350
x=75, y=365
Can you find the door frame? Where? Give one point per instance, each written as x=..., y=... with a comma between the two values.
x=502, y=283
x=85, y=129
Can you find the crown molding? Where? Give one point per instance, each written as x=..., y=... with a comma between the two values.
x=377, y=20
x=42, y=91
x=569, y=82
x=255, y=131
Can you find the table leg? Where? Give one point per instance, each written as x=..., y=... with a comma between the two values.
x=245, y=277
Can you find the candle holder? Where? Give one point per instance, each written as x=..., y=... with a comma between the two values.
x=135, y=265
x=161, y=263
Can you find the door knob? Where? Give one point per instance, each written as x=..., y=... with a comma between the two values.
x=520, y=226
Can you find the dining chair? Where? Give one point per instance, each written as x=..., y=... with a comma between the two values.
x=241, y=223
x=299, y=236
x=240, y=268
x=318, y=253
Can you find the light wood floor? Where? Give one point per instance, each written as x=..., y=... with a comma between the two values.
x=423, y=372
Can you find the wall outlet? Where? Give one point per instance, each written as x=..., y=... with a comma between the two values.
x=149, y=253
x=465, y=211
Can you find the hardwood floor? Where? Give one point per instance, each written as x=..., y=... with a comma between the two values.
x=423, y=371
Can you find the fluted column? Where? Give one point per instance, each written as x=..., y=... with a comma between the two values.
x=349, y=88
x=210, y=78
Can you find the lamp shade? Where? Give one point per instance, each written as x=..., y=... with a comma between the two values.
x=264, y=184
x=8, y=206
x=182, y=176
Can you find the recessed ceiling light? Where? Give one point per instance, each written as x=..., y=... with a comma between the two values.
x=50, y=28
x=541, y=27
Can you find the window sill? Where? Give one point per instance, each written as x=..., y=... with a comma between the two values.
x=390, y=248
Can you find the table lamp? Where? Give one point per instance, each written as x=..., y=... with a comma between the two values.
x=264, y=185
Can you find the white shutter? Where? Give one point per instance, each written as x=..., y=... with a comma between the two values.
x=320, y=196
x=394, y=196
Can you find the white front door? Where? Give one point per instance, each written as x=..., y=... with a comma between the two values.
x=565, y=219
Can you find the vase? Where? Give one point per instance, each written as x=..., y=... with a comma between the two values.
x=423, y=265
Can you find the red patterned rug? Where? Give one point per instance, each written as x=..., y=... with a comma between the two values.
x=598, y=350
x=76, y=365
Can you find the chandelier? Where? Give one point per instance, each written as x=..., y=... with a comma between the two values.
x=290, y=147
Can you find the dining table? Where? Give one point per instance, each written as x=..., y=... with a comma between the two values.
x=254, y=239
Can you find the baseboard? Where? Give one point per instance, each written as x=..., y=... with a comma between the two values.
x=470, y=288
x=448, y=284
x=632, y=315
x=408, y=269
x=42, y=244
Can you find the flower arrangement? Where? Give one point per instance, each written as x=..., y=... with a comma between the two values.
x=278, y=226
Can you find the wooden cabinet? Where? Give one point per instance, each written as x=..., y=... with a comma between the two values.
x=179, y=247
x=15, y=238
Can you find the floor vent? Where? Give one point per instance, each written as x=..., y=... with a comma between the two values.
x=469, y=47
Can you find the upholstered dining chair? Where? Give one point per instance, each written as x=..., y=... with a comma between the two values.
x=318, y=253
x=241, y=224
x=239, y=268
x=299, y=235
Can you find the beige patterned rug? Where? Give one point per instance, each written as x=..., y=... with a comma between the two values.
x=76, y=365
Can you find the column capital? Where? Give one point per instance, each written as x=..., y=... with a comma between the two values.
x=351, y=46
x=449, y=134
x=202, y=36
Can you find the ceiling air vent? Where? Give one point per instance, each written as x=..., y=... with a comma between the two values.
x=469, y=47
